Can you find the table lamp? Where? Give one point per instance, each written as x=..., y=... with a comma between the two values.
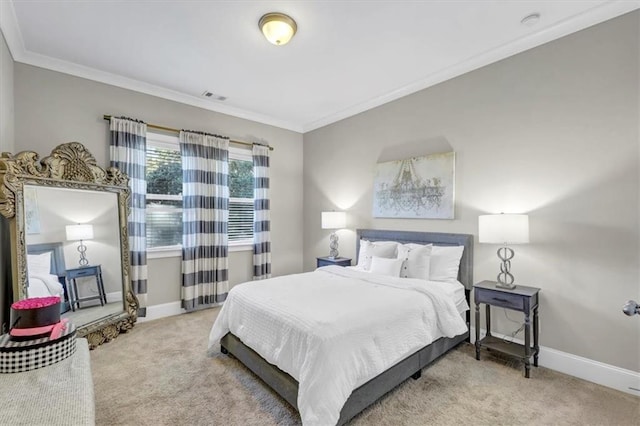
x=334, y=221
x=80, y=233
x=504, y=229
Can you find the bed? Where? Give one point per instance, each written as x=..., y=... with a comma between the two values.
x=46, y=272
x=331, y=389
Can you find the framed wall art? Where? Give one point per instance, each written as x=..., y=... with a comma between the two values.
x=31, y=212
x=415, y=188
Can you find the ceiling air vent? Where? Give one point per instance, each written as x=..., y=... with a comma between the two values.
x=209, y=95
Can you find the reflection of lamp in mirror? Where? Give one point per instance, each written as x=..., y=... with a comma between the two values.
x=333, y=220
x=504, y=229
x=80, y=233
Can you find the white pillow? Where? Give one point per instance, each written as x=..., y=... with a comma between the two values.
x=39, y=263
x=385, y=266
x=417, y=260
x=445, y=262
x=368, y=249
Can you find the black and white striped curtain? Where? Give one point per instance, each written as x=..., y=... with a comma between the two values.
x=261, y=215
x=205, y=218
x=128, y=145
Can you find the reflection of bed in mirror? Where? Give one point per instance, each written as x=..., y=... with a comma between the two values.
x=41, y=197
x=94, y=289
x=45, y=266
x=56, y=282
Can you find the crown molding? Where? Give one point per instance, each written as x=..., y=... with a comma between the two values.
x=10, y=29
x=579, y=22
x=13, y=37
x=88, y=73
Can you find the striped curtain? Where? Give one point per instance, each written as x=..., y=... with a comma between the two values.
x=261, y=216
x=127, y=150
x=205, y=218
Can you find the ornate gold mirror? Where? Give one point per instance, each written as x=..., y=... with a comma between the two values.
x=68, y=229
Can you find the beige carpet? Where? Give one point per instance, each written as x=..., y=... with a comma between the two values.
x=159, y=374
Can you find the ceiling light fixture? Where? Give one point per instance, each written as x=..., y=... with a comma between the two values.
x=278, y=28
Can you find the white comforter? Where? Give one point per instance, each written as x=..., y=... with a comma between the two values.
x=334, y=329
x=44, y=285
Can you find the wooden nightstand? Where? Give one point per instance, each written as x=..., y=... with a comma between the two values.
x=85, y=271
x=521, y=298
x=339, y=261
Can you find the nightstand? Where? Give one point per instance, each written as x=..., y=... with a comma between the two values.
x=65, y=305
x=521, y=298
x=339, y=261
x=85, y=271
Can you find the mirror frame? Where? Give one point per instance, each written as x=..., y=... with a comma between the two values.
x=70, y=165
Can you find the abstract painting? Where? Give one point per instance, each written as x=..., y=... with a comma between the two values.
x=416, y=188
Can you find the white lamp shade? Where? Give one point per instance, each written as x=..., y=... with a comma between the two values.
x=278, y=28
x=503, y=228
x=334, y=220
x=79, y=232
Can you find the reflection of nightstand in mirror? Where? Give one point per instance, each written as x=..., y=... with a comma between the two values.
x=86, y=271
x=65, y=304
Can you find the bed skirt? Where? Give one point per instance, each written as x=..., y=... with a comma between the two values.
x=287, y=387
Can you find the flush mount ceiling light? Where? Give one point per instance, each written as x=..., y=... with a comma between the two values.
x=278, y=28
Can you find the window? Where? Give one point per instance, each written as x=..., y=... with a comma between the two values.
x=164, y=194
x=240, y=197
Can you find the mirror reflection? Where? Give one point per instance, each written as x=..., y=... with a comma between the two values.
x=74, y=250
x=68, y=235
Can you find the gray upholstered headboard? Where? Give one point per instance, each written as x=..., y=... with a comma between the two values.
x=465, y=273
x=57, y=256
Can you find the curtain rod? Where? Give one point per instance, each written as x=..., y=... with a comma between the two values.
x=171, y=129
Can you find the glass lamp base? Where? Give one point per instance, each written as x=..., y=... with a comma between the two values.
x=333, y=246
x=505, y=278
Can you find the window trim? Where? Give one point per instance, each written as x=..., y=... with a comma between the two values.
x=176, y=251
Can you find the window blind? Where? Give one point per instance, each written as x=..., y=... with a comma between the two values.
x=240, y=219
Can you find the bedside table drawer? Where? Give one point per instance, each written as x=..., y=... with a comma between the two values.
x=82, y=272
x=500, y=299
x=339, y=261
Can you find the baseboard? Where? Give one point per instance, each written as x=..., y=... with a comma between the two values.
x=114, y=296
x=163, y=310
x=593, y=371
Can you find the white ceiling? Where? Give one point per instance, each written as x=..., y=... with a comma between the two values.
x=347, y=57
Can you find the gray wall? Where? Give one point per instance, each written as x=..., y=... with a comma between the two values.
x=53, y=108
x=552, y=132
x=6, y=97
x=6, y=145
